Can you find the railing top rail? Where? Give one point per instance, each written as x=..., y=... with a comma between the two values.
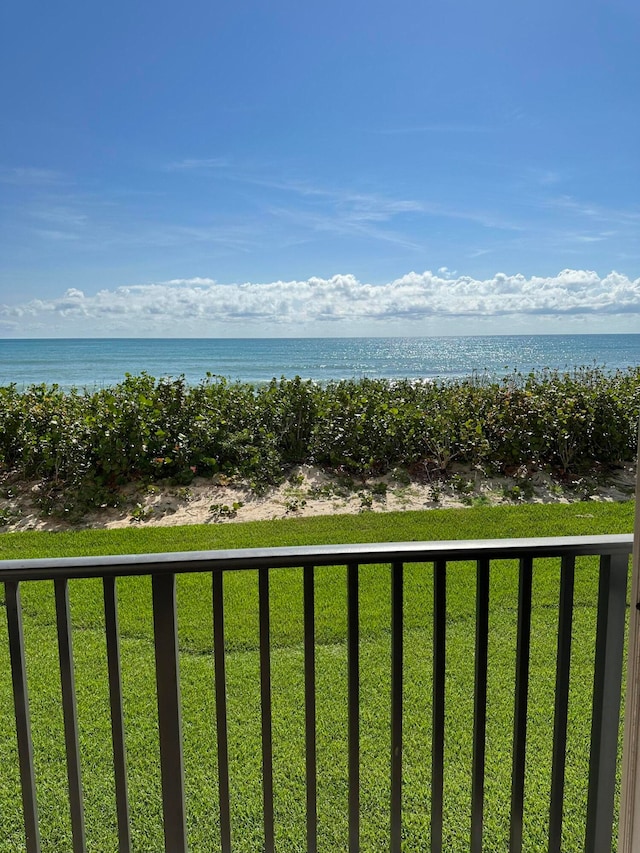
x=319, y=555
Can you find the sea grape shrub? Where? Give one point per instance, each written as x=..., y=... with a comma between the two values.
x=43, y=433
x=229, y=433
x=166, y=429
x=615, y=413
x=366, y=426
x=141, y=428
x=563, y=420
x=83, y=446
x=454, y=424
x=11, y=420
x=221, y=427
x=288, y=412
x=567, y=404
x=583, y=417
x=514, y=425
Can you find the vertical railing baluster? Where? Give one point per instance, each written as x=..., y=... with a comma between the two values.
x=439, y=672
x=612, y=594
x=221, y=711
x=165, y=629
x=563, y=668
x=523, y=645
x=480, y=704
x=65, y=656
x=353, y=680
x=117, y=718
x=396, y=705
x=23, y=721
x=265, y=701
x=310, y=709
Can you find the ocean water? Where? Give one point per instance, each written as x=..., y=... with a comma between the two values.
x=95, y=363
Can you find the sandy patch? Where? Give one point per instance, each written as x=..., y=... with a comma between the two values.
x=309, y=491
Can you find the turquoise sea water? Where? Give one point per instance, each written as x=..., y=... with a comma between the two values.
x=98, y=362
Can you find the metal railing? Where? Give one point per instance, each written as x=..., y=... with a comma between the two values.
x=613, y=553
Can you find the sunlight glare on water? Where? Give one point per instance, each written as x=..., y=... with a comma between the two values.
x=99, y=362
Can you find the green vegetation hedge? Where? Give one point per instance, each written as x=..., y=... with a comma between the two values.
x=84, y=445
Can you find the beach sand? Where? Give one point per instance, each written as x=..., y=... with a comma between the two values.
x=309, y=491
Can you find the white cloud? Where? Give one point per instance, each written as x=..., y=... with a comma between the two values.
x=53, y=234
x=594, y=212
x=436, y=128
x=29, y=176
x=203, y=306
x=192, y=164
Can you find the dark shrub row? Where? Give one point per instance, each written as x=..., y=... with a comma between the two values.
x=87, y=444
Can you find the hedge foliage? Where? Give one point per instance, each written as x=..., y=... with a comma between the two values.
x=84, y=445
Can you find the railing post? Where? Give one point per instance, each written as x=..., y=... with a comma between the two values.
x=310, y=708
x=165, y=629
x=607, y=680
x=353, y=682
x=221, y=712
x=117, y=718
x=560, y=717
x=397, y=570
x=265, y=706
x=23, y=721
x=521, y=704
x=480, y=704
x=629, y=835
x=70, y=714
x=438, y=708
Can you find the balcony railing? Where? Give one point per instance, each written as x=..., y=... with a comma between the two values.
x=435, y=557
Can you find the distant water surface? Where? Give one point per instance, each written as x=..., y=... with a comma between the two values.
x=99, y=362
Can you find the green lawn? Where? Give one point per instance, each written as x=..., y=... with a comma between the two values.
x=195, y=618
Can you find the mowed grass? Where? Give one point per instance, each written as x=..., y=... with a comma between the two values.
x=241, y=626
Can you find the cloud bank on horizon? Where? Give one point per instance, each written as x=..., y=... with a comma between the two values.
x=340, y=305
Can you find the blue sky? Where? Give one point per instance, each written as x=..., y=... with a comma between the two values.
x=332, y=168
